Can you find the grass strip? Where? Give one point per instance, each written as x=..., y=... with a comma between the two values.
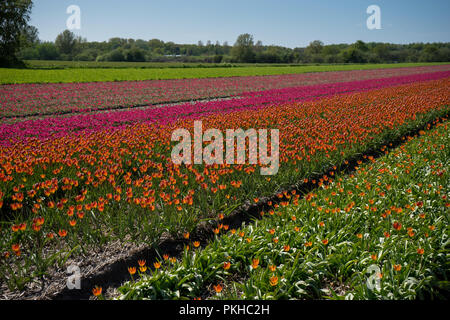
x=15, y=76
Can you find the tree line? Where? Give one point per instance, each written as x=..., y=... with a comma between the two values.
x=67, y=46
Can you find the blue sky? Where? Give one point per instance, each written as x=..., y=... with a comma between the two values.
x=290, y=23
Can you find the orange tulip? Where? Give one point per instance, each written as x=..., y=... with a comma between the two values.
x=218, y=288
x=62, y=233
x=273, y=281
x=141, y=263
x=97, y=291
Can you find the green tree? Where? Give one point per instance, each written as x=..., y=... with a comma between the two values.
x=14, y=17
x=430, y=53
x=134, y=55
x=361, y=46
x=330, y=50
x=313, y=52
x=116, y=55
x=243, y=49
x=353, y=55
x=382, y=52
x=115, y=43
x=315, y=47
x=29, y=36
x=66, y=42
x=47, y=51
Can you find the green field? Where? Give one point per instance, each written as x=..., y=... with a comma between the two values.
x=9, y=76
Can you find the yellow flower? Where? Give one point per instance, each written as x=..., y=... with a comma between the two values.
x=143, y=268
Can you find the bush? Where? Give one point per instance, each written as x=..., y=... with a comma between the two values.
x=84, y=56
x=353, y=55
x=134, y=55
x=48, y=51
x=29, y=54
x=217, y=58
x=333, y=58
x=115, y=55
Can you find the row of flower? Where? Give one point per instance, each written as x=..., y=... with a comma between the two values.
x=35, y=99
x=55, y=127
x=380, y=233
x=63, y=195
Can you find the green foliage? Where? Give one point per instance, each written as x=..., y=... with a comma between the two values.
x=29, y=37
x=47, y=51
x=86, y=55
x=66, y=42
x=315, y=47
x=353, y=55
x=14, y=16
x=115, y=55
x=243, y=49
x=135, y=55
